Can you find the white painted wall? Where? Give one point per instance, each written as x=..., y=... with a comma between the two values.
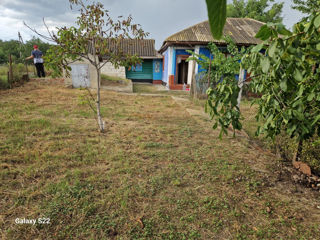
x=92, y=74
x=170, y=56
x=110, y=70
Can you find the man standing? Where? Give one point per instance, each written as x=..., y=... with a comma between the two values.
x=36, y=54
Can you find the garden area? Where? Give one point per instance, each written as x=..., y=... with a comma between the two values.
x=137, y=161
x=158, y=172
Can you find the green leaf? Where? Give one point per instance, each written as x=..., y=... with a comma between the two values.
x=264, y=33
x=282, y=30
x=217, y=13
x=272, y=49
x=298, y=114
x=298, y=75
x=317, y=21
x=215, y=126
x=257, y=48
x=311, y=96
x=283, y=85
x=301, y=90
x=265, y=65
x=318, y=46
x=315, y=120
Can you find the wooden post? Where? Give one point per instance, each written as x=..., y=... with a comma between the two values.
x=8, y=78
x=10, y=75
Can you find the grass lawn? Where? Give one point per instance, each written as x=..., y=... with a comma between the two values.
x=148, y=88
x=157, y=173
x=113, y=81
x=3, y=77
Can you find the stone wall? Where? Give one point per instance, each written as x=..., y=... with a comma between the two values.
x=110, y=70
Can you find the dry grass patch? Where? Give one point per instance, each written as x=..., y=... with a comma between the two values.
x=157, y=173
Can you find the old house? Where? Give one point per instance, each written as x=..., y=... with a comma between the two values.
x=177, y=71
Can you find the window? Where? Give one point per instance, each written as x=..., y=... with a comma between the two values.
x=137, y=68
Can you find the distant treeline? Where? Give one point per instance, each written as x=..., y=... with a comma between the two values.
x=14, y=47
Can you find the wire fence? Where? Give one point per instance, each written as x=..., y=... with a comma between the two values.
x=14, y=74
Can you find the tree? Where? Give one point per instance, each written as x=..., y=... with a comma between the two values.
x=95, y=35
x=287, y=76
x=223, y=91
x=285, y=72
x=217, y=14
x=306, y=6
x=261, y=10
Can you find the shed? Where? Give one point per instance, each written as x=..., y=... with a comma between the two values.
x=150, y=70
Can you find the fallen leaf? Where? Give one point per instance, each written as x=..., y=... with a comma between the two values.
x=139, y=220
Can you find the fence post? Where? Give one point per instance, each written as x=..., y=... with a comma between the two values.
x=10, y=73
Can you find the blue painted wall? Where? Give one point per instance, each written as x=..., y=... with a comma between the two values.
x=182, y=52
x=174, y=60
x=205, y=51
x=157, y=66
x=165, y=74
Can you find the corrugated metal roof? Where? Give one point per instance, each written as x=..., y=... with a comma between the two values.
x=241, y=30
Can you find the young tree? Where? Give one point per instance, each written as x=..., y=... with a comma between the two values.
x=261, y=10
x=285, y=72
x=222, y=103
x=217, y=13
x=288, y=78
x=95, y=35
x=306, y=6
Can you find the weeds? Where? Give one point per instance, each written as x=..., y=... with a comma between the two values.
x=157, y=173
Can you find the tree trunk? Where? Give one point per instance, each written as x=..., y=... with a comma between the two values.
x=193, y=89
x=240, y=85
x=297, y=155
x=99, y=117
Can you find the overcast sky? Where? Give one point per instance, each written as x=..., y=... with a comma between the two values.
x=161, y=18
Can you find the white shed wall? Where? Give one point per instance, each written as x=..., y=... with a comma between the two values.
x=110, y=70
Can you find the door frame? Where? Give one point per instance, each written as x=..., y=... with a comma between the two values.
x=183, y=57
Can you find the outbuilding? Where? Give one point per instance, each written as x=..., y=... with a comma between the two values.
x=149, y=70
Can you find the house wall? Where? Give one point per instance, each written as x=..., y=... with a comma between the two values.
x=146, y=75
x=92, y=74
x=205, y=51
x=110, y=70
